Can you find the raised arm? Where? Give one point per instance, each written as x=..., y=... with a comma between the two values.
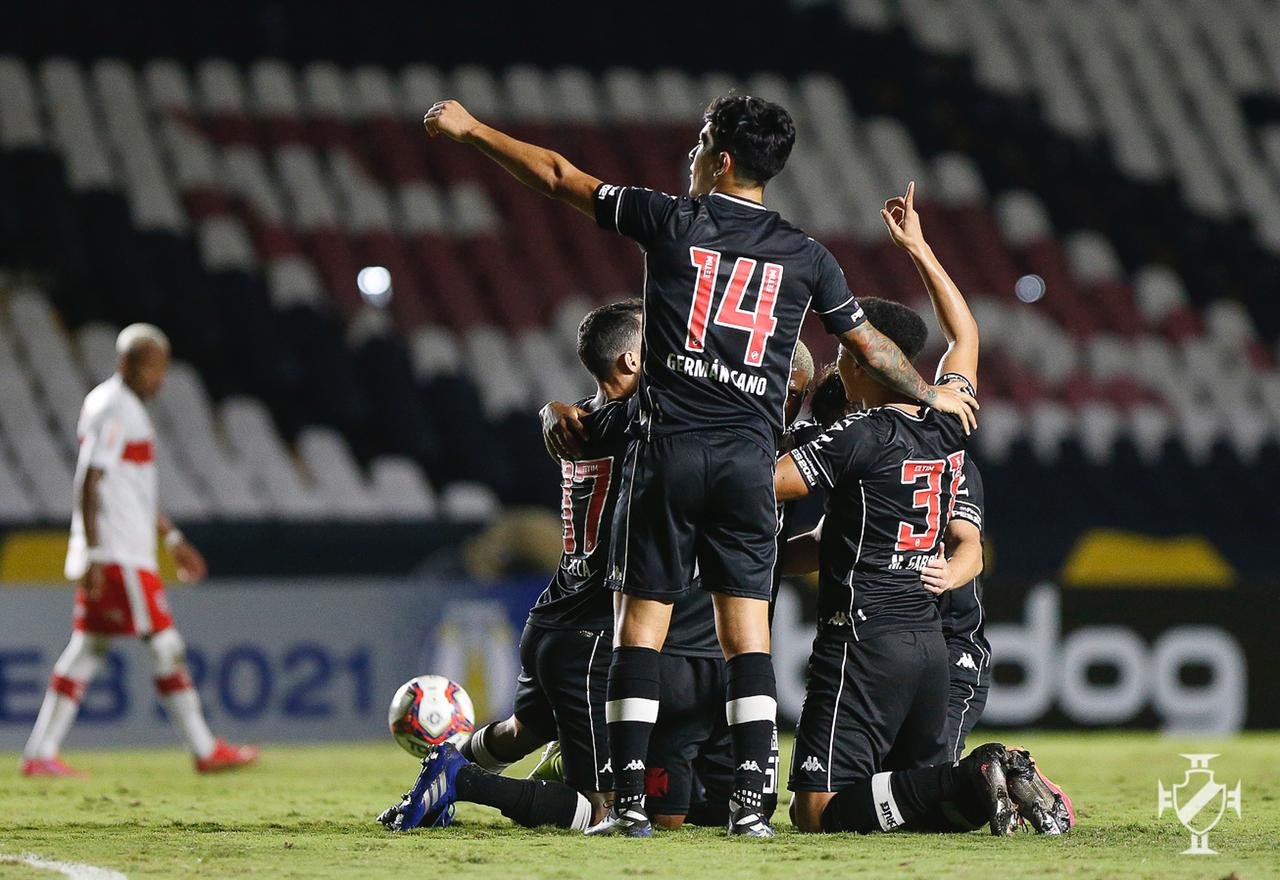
x=955, y=319
x=879, y=356
x=536, y=167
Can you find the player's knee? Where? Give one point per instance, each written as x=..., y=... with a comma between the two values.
x=168, y=651
x=642, y=623
x=742, y=625
x=807, y=808
x=512, y=736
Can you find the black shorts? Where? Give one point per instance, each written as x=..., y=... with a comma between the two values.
x=871, y=705
x=703, y=498
x=561, y=695
x=690, y=759
x=968, y=697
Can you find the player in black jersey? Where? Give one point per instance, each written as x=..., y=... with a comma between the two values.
x=689, y=768
x=960, y=606
x=959, y=603
x=876, y=697
x=564, y=650
x=727, y=285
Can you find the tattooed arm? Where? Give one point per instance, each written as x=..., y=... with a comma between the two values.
x=879, y=356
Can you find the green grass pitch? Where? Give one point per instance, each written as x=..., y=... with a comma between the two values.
x=307, y=811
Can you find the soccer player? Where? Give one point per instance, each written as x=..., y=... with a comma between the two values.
x=115, y=527
x=727, y=285
x=564, y=649
x=877, y=691
x=960, y=606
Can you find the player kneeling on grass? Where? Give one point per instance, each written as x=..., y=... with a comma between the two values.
x=112, y=554
x=565, y=647
x=878, y=683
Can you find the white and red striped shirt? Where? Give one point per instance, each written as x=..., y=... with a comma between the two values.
x=116, y=435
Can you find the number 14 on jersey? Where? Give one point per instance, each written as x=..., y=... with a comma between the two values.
x=760, y=323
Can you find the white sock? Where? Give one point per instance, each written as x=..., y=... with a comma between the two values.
x=582, y=815
x=76, y=667
x=57, y=712
x=184, y=711
x=481, y=753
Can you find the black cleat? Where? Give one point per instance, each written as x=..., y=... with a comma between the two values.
x=746, y=822
x=630, y=821
x=1041, y=804
x=985, y=769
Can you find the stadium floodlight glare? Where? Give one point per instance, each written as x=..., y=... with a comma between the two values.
x=1029, y=288
x=375, y=285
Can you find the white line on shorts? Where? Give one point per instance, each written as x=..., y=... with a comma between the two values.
x=74, y=870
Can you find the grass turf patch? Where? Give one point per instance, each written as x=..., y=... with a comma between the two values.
x=307, y=811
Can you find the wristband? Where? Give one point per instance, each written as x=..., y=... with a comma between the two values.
x=173, y=537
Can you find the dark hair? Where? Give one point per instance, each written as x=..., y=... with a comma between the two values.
x=758, y=135
x=901, y=324
x=828, y=402
x=605, y=333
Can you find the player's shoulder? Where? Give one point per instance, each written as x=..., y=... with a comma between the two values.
x=109, y=397
x=800, y=432
x=874, y=422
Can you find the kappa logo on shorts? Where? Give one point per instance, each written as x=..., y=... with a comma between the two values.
x=813, y=765
x=966, y=662
x=636, y=764
x=607, y=768
x=838, y=619
x=749, y=765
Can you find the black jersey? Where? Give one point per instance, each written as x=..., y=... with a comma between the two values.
x=963, y=620
x=893, y=479
x=576, y=598
x=727, y=286
x=797, y=434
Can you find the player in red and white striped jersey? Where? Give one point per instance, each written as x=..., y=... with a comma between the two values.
x=115, y=528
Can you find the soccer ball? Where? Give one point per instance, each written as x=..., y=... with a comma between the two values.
x=429, y=710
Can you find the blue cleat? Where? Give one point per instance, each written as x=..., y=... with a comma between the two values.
x=430, y=802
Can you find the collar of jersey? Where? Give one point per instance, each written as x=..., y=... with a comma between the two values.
x=741, y=201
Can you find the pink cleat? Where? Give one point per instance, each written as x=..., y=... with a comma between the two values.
x=226, y=757
x=50, y=767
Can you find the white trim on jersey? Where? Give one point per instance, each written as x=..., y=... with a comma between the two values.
x=852, y=298
x=741, y=201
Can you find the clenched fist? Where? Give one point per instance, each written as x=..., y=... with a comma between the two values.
x=449, y=118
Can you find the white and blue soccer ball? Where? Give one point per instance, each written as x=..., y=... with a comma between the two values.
x=428, y=710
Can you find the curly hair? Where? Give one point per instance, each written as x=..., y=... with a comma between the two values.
x=758, y=134
x=900, y=323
